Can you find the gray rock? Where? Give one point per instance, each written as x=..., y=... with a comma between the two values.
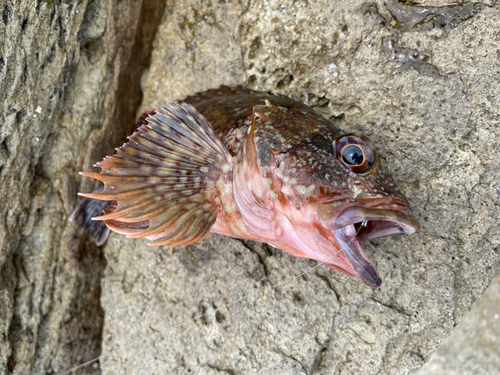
x=64, y=69
x=420, y=81
x=473, y=346
x=422, y=84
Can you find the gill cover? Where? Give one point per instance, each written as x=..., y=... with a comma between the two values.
x=253, y=196
x=251, y=192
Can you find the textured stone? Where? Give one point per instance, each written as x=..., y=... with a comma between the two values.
x=422, y=84
x=420, y=81
x=64, y=69
x=474, y=345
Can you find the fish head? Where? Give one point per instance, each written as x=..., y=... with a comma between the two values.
x=317, y=193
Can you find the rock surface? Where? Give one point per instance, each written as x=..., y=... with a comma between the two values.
x=422, y=83
x=64, y=69
x=474, y=345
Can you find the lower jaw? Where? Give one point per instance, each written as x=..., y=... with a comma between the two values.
x=351, y=246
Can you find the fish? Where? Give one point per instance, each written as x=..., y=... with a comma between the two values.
x=254, y=166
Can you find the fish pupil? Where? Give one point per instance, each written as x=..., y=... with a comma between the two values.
x=352, y=155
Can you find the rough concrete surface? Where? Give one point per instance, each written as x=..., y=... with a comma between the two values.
x=64, y=67
x=420, y=81
x=474, y=345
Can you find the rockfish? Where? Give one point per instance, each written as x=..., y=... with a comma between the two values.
x=255, y=166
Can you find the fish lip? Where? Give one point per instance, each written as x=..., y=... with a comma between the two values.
x=357, y=225
x=377, y=222
x=353, y=249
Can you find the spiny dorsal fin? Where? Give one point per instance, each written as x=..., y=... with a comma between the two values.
x=270, y=105
x=214, y=93
x=163, y=181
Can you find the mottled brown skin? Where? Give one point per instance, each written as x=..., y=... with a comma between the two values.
x=298, y=135
x=228, y=109
x=271, y=172
x=295, y=155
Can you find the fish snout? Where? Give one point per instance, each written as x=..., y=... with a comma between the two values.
x=381, y=221
x=356, y=225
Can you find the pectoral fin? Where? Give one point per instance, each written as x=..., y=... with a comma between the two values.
x=163, y=182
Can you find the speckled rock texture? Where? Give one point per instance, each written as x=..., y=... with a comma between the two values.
x=420, y=78
x=422, y=83
x=474, y=345
x=69, y=89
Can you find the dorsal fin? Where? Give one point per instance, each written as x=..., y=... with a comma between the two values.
x=214, y=93
x=163, y=181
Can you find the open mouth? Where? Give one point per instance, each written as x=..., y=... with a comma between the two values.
x=357, y=225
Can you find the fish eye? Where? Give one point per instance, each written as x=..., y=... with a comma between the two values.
x=355, y=151
x=352, y=155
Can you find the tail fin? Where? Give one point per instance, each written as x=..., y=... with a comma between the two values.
x=85, y=211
